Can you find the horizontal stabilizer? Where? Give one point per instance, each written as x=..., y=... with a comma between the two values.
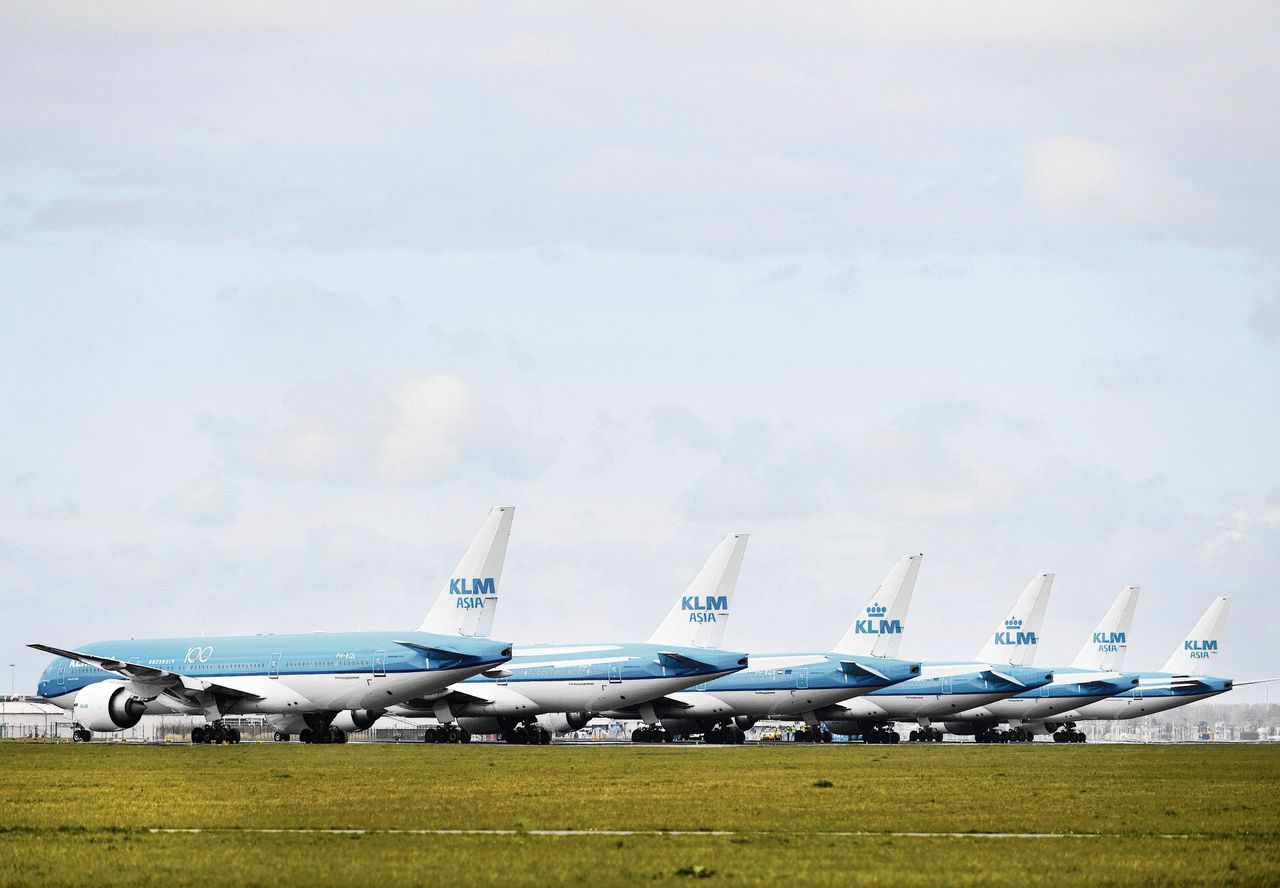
x=1004, y=676
x=853, y=667
x=439, y=656
x=672, y=660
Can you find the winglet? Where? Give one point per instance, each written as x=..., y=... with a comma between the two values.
x=1016, y=636
x=701, y=614
x=467, y=603
x=1200, y=648
x=1106, y=648
x=877, y=630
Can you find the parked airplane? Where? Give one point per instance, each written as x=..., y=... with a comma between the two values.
x=1184, y=679
x=945, y=688
x=1091, y=677
x=550, y=688
x=787, y=686
x=301, y=682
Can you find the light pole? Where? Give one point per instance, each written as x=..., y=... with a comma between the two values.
x=13, y=667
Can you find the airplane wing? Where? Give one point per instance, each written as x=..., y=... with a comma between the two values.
x=149, y=682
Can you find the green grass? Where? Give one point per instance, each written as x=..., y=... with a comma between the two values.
x=82, y=814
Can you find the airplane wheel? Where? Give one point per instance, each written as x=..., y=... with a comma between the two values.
x=197, y=735
x=466, y=736
x=307, y=736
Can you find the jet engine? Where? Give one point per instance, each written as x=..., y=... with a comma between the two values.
x=357, y=719
x=965, y=728
x=562, y=722
x=108, y=706
x=744, y=722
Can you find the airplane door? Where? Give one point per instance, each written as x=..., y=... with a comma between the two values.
x=379, y=663
x=615, y=673
x=1044, y=690
x=802, y=678
x=273, y=671
x=946, y=685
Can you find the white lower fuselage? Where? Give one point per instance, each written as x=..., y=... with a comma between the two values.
x=312, y=692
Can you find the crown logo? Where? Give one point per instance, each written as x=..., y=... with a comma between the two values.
x=1013, y=623
x=876, y=610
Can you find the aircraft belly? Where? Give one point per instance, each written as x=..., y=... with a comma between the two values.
x=934, y=705
x=794, y=701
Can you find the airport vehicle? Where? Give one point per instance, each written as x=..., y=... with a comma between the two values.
x=1184, y=679
x=554, y=688
x=301, y=682
x=786, y=685
x=1091, y=677
x=945, y=688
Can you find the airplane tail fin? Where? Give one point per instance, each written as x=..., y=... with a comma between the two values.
x=1106, y=648
x=467, y=603
x=700, y=615
x=1015, y=638
x=877, y=631
x=1200, y=648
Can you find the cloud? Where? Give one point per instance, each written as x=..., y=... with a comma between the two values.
x=1081, y=181
x=419, y=432
x=210, y=499
x=1265, y=319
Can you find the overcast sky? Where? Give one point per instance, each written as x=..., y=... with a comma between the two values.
x=291, y=295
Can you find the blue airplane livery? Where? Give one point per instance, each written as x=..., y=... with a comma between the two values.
x=553, y=688
x=781, y=686
x=302, y=683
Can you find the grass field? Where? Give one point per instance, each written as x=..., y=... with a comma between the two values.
x=1094, y=815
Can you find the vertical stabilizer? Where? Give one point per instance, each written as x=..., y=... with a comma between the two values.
x=877, y=631
x=1106, y=648
x=1016, y=636
x=701, y=614
x=1200, y=648
x=469, y=599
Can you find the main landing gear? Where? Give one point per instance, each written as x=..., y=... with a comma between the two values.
x=447, y=734
x=809, y=734
x=1069, y=735
x=650, y=734
x=281, y=737
x=216, y=734
x=880, y=735
x=80, y=735
x=926, y=735
x=530, y=734
x=723, y=734
x=323, y=735
x=995, y=735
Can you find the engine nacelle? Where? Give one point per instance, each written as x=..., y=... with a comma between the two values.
x=964, y=729
x=744, y=722
x=562, y=722
x=357, y=719
x=108, y=706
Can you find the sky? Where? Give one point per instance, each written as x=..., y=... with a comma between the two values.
x=290, y=295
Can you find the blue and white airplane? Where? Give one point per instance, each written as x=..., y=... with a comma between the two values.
x=553, y=688
x=301, y=682
x=1091, y=677
x=786, y=686
x=945, y=688
x=1184, y=679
